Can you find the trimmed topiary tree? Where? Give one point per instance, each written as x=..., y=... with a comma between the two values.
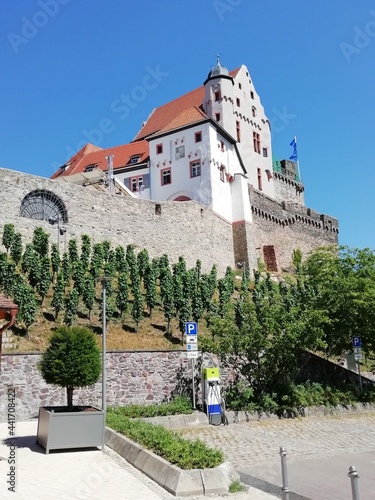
x=71, y=360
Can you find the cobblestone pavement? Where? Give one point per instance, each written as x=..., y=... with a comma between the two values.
x=254, y=443
x=319, y=453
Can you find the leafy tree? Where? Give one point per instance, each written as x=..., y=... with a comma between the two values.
x=88, y=294
x=16, y=248
x=28, y=258
x=96, y=260
x=40, y=241
x=78, y=275
x=150, y=285
x=122, y=292
x=73, y=251
x=137, y=307
x=8, y=235
x=342, y=284
x=55, y=260
x=168, y=302
x=27, y=306
x=8, y=278
x=178, y=293
x=58, y=296
x=85, y=250
x=71, y=306
x=106, y=246
x=45, y=278
x=71, y=360
x=142, y=261
x=132, y=261
x=262, y=339
x=3, y=267
x=65, y=268
x=121, y=264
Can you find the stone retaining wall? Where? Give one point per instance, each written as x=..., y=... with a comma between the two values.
x=132, y=377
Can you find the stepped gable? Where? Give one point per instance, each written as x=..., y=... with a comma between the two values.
x=163, y=115
x=91, y=155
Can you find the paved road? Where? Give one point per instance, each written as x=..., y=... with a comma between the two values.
x=320, y=451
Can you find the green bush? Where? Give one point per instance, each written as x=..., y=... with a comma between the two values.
x=179, y=406
x=167, y=444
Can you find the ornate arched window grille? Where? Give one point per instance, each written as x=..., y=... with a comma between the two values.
x=43, y=205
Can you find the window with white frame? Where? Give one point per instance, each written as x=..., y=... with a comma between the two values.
x=195, y=168
x=166, y=177
x=136, y=183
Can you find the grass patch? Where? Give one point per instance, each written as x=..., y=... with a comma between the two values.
x=236, y=487
x=184, y=453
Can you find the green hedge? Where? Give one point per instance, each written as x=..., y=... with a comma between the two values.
x=167, y=444
x=179, y=406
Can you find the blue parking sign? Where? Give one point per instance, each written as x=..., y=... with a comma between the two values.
x=357, y=341
x=191, y=328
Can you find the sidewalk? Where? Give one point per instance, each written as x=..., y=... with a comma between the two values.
x=81, y=475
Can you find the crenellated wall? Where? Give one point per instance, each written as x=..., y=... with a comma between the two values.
x=288, y=226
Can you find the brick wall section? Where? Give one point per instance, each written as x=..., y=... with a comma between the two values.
x=187, y=229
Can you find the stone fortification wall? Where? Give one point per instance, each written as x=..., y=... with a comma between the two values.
x=288, y=226
x=287, y=189
x=186, y=228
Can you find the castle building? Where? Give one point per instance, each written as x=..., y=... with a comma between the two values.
x=213, y=146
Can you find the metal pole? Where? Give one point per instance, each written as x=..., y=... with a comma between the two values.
x=360, y=376
x=354, y=476
x=284, y=473
x=104, y=368
x=104, y=285
x=193, y=380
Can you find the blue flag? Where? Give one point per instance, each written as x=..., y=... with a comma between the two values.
x=294, y=156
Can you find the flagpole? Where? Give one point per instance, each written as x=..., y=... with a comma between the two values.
x=298, y=170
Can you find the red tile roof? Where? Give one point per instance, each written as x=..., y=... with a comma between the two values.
x=186, y=117
x=163, y=115
x=93, y=155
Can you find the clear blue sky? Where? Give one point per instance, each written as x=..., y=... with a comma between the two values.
x=65, y=66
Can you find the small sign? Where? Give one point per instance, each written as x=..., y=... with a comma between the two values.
x=192, y=347
x=192, y=354
x=191, y=339
x=357, y=341
x=191, y=328
x=357, y=353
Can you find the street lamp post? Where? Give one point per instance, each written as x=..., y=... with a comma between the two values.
x=104, y=280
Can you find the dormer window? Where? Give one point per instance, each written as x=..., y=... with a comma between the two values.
x=134, y=159
x=90, y=168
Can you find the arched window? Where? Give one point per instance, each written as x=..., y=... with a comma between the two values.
x=43, y=205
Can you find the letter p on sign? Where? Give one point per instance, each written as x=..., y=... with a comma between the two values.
x=191, y=328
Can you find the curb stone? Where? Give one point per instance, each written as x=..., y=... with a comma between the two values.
x=177, y=481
